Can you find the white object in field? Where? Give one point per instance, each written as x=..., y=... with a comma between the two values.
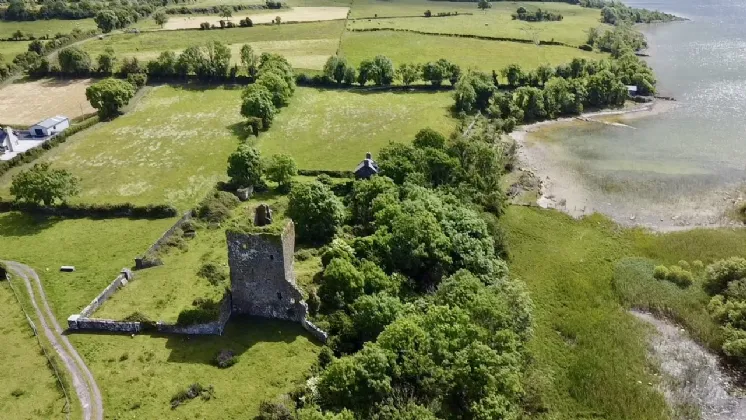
x=67, y=268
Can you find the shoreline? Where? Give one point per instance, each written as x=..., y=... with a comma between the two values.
x=562, y=188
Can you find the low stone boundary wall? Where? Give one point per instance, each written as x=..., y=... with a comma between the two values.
x=142, y=261
x=122, y=279
x=78, y=323
x=211, y=328
x=315, y=331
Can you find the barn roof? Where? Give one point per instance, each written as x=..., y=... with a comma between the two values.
x=50, y=122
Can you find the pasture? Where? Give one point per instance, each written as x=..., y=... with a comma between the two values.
x=10, y=49
x=139, y=375
x=305, y=44
x=403, y=47
x=26, y=103
x=497, y=22
x=383, y=8
x=29, y=387
x=41, y=28
x=328, y=129
x=296, y=14
x=170, y=148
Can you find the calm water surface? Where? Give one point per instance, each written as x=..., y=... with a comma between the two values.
x=695, y=153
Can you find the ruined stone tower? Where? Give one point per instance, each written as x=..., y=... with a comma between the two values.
x=262, y=277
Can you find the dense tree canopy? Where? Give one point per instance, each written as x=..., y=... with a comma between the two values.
x=316, y=211
x=109, y=96
x=245, y=167
x=42, y=184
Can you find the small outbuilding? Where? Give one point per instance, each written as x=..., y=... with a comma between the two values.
x=367, y=168
x=50, y=126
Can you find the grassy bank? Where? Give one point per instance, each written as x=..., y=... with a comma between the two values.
x=590, y=354
x=29, y=388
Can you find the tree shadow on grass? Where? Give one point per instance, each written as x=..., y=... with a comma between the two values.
x=21, y=224
x=241, y=333
x=241, y=130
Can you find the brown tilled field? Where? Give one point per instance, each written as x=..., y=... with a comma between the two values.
x=30, y=102
x=296, y=14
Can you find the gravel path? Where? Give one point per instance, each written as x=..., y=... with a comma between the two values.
x=692, y=374
x=83, y=381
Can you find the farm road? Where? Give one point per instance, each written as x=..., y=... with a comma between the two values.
x=83, y=381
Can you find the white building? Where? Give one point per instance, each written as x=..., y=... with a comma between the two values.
x=50, y=126
x=8, y=140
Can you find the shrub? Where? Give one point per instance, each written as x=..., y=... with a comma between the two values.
x=326, y=356
x=137, y=80
x=225, y=359
x=204, y=26
x=720, y=273
x=146, y=323
x=213, y=273
x=683, y=264
x=337, y=249
x=697, y=265
x=216, y=207
x=193, y=391
x=342, y=284
x=586, y=47
x=679, y=276
x=273, y=411
x=660, y=272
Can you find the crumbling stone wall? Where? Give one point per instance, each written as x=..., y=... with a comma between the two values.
x=142, y=262
x=122, y=279
x=262, y=277
x=78, y=323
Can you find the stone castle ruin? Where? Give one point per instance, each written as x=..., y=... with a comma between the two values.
x=262, y=277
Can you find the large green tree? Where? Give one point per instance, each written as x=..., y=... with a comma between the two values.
x=316, y=211
x=258, y=102
x=245, y=167
x=107, y=21
x=42, y=184
x=109, y=96
x=74, y=60
x=281, y=169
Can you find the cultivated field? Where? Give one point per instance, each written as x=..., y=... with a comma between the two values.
x=305, y=45
x=383, y=8
x=325, y=129
x=29, y=387
x=40, y=28
x=171, y=148
x=139, y=375
x=497, y=22
x=403, y=47
x=26, y=103
x=297, y=14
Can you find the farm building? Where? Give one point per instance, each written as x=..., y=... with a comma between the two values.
x=50, y=126
x=8, y=140
x=367, y=168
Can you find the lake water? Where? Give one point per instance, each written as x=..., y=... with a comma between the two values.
x=679, y=168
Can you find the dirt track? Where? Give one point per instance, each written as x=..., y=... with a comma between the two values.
x=83, y=381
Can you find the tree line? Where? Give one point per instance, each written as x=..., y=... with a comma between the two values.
x=615, y=12
x=19, y=10
x=537, y=16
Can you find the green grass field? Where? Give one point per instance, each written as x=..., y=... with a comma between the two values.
x=382, y=8
x=139, y=375
x=97, y=248
x=29, y=387
x=10, y=49
x=589, y=353
x=497, y=22
x=40, y=28
x=304, y=44
x=171, y=148
x=403, y=47
x=327, y=129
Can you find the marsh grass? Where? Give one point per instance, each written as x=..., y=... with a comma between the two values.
x=589, y=353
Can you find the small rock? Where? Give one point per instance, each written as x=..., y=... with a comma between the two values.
x=631, y=217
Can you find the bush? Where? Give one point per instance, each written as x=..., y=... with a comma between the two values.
x=337, y=249
x=204, y=26
x=137, y=80
x=146, y=323
x=683, y=264
x=273, y=411
x=213, y=273
x=326, y=356
x=679, y=276
x=216, y=207
x=17, y=392
x=586, y=47
x=660, y=272
x=342, y=284
x=193, y=391
x=225, y=359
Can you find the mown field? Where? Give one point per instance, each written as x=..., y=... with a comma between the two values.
x=10, y=49
x=590, y=355
x=51, y=97
x=404, y=47
x=305, y=44
x=29, y=387
x=497, y=22
x=383, y=8
x=171, y=148
x=139, y=375
x=327, y=129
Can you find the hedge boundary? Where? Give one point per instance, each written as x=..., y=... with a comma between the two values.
x=93, y=211
x=482, y=37
x=35, y=153
x=332, y=174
